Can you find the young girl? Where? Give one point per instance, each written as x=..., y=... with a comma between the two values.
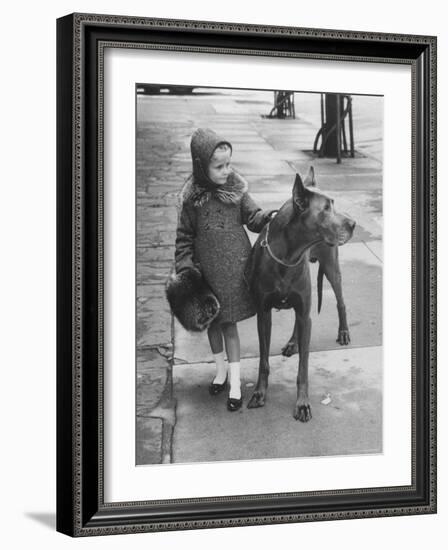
x=215, y=205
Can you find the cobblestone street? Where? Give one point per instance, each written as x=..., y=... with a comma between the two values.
x=173, y=366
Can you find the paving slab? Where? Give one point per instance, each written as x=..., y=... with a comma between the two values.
x=348, y=380
x=154, y=317
x=148, y=440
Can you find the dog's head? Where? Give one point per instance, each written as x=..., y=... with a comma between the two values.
x=317, y=212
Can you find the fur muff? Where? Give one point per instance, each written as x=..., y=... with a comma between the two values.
x=191, y=300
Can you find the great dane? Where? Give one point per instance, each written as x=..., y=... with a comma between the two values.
x=278, y=275
x=328, y=260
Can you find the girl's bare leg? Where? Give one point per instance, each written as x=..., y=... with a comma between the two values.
x=232, y=343
x=215, y=338
x=216, y=345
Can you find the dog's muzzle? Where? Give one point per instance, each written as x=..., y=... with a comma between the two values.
x=346, y=232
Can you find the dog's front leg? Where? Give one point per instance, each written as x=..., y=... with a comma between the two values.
x=302, y=410
x=332, y=270
x=264, y=323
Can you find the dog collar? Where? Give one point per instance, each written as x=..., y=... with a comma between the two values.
x=265, y=244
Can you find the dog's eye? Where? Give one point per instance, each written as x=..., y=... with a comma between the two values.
x=328, y=206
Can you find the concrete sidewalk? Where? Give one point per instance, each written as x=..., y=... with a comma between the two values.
x=345, y=397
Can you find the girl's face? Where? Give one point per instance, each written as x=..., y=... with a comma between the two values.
x=219, y=166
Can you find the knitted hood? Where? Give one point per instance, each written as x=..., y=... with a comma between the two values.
x=199, y=187
x=203, y=143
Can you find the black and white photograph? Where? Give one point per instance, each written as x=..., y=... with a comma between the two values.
x=259, y=273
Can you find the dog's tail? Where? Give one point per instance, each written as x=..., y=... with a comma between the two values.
x=320, y=279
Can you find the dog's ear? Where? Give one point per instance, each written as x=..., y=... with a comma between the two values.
x=310, y=180
x=299, y=194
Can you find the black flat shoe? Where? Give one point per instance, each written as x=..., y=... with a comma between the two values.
x=214, y=389
x=234, y=404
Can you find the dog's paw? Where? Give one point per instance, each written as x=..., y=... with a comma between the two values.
x=257, y=399
x=302, y=413
x=343, y=337
x=290, y=349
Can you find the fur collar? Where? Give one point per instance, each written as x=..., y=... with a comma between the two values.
x=229, y=193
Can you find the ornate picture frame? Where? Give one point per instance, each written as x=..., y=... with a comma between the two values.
x=81, y=506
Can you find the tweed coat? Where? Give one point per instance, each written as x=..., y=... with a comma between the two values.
x=211, y=237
